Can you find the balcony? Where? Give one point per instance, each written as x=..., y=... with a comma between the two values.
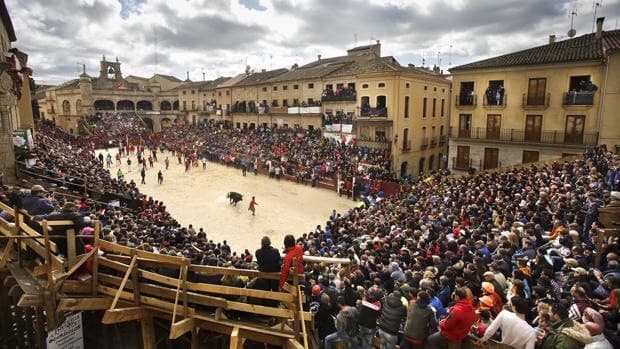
x=510, y=135
x=466, y=101
x=340, y=95
x=578, y=98
x=491, y=102
x=373, y=112
x=406, y=146
x=424, y=144
x=433, y=142
x=535, y=102
x=442, y=140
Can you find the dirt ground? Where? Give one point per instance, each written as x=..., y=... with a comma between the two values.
x=198, y=197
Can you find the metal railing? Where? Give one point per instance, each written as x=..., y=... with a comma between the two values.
x=466, y=100
x=406, y=145
x=536, y=101
x=521, y=136
x=578, y=98
x=433, y=142
x=493, y=102
x=373, y=112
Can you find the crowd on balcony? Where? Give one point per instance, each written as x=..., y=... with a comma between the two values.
x=506, y=256
x=466, y=95
x=367, y=110
x=583, y=93
x=495, y=95
x=343, y=92
x=339, y=118
x=115, y=124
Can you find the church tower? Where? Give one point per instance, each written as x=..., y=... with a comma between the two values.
x=110, y=70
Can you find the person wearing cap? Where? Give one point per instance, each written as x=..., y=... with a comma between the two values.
x=37, y=203
x=498, y=304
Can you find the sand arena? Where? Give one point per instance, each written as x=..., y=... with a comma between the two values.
x=198, y=197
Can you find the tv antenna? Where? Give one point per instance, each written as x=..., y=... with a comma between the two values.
x=450, y=56
x=596, y=5
x=572, y=31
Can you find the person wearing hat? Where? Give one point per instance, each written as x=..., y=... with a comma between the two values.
x=37, y=203
x=498, y=304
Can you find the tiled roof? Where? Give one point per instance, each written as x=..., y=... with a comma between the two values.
x=582, y=48
x=259, y=78
x=169, y=77
x=233, y=81
x=67, y=85
x=366, y=66
x=200, y=85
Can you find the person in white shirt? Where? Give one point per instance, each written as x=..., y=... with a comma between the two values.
x=516, y=332
x=595, y=324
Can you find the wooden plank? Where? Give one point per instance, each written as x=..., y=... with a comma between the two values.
x=113, y=264
x=114, y=316
x=176, y=297
x=79, y=304
x=70, y=246
x=31, y=232
x=122, y=286
x=177, y=261
x=6, y=253
x=75, y=267
x=112, y=247
x=177, y=329
x=292, y=344
x=304, y=332
x=145, y=262
x=157, y=278
x=260, y=310
x=95, y=272
x=30, y=300
x=236, y=291
x=149, y=301
x=56, y=223
x=76, y=286
x=165, y=292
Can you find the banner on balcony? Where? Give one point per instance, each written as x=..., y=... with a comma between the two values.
x=347, y=128
x=22, y=141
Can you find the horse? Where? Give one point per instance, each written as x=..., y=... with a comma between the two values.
x=234, y=197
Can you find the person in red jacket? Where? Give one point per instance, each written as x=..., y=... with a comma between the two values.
x=458, y=323
x=291, y=250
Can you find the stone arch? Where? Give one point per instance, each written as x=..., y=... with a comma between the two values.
x=165, y=123
x=175, y=105
x=165, y=105
x=144, y=105
x=104, y=104
x=125, y=105
x=66, y=107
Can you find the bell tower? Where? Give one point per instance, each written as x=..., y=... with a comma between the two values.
x=110, y=70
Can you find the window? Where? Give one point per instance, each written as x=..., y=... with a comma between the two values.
x=493, y=126
x=381, y=102
x=364, y=85
x=228, y=93
x=425, y=88
x=274, y=103
x=406, y=106
x=406, y=138
x=536, y=91
x=351, y=85
x=193, y=92
x=421, y=166
x=264, y=89
x=533, y=128
x=434, y=89
x=329, y=87
x=381, y=85
x=184, y=105
x=310, y=85
x=462, y=157
x=443, y=102
x=295, y=102
x=406, y=85
x=193, y=105
x=339, y=86
x=573, y=133
x=285, y=102
x=579, y=83
x=184, y=92
x=295, y=87
x=219, y=93
x=285, y=87
x=464, y=125
x=491, y=157
x=275, y=88
x=310, y=101
x=424, y=107
x=466, y=94
x=434, y=107
x=443, y=90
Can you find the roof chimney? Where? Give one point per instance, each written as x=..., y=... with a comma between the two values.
x=319, y=57
x=599, y=27
x=551, y=39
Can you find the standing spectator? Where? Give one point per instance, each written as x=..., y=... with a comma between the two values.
x=516, y=332
x=369, y=312
x=392, y=314
x=458, y=323
x=291, y=250
x=268, y=260
x=346, y=329
x=421, y=321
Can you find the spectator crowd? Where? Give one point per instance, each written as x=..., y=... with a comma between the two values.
x=506, y=256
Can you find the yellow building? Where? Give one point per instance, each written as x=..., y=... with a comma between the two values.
x=541, y=103
x=15, y=95
x=361, y=96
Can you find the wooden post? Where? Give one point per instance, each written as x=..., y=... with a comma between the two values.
x=195, y=338
x=95, y=280
x=71, y=246
x=148, y=332
x=134, y=280
x=49, y=295
x=186, y=264
x=296, y=310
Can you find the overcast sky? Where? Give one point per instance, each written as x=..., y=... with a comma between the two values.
x=218, y=36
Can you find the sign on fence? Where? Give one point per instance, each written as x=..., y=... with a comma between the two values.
x=68, y=335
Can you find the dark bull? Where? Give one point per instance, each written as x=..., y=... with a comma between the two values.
x=234, y=197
